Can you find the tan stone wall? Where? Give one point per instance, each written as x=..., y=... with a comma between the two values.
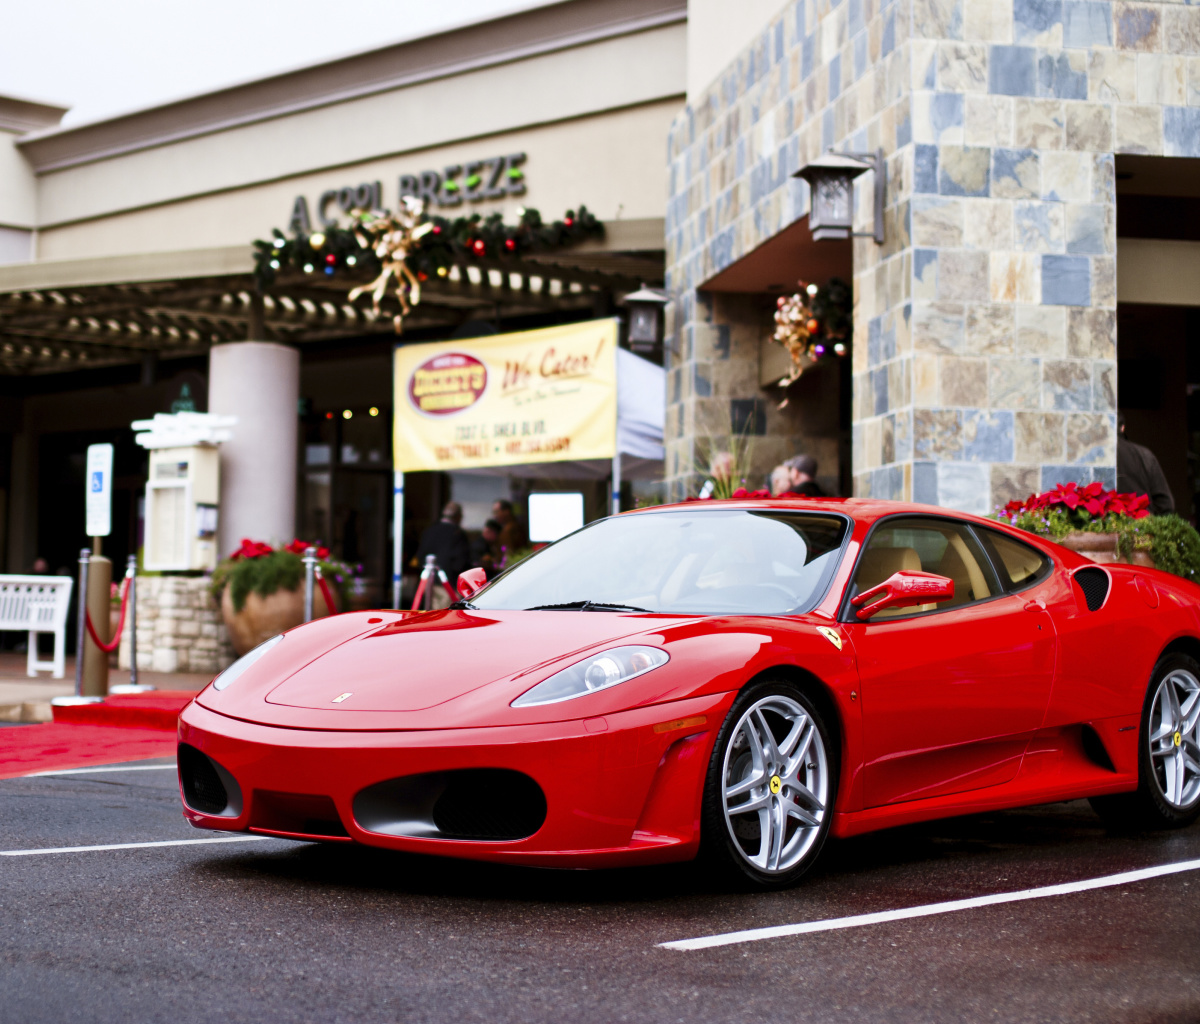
x=985, y=329
x=179, y=627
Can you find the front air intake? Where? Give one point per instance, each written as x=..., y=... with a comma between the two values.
x=1094, y=584
x=480, y=804
x=202, y=786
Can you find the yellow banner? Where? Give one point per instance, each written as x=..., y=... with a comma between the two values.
x=535, y=396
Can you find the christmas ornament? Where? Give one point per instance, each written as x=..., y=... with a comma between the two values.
x=810, y=324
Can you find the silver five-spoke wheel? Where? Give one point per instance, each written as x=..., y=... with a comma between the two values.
x=1174, y=736
x=775, y=784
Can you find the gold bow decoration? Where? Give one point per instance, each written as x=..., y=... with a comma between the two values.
x=391, y=237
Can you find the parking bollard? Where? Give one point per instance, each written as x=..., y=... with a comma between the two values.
x=81, y=630
x=310, y=564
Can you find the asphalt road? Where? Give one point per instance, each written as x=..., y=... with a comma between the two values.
x=271, y=930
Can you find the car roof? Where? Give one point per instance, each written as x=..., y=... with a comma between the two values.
x=867, y=509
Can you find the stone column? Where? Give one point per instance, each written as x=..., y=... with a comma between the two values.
x=259, y=383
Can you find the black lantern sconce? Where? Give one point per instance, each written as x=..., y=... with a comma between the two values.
x=831, y=177
x=645, y=318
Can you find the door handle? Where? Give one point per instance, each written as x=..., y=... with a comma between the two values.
x=1036, y=605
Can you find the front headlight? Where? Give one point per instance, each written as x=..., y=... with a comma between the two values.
x=598, y=672
x=244, y=662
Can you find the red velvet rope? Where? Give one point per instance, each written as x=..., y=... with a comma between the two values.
x=116, y=640
x=326, y=593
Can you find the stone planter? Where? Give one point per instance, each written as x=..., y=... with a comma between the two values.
x=262, y=617
x=1102, y=547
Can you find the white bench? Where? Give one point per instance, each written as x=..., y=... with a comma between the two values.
x=38, y=604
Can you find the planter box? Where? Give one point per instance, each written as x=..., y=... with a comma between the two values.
x=1102, y=547
x=262, y=617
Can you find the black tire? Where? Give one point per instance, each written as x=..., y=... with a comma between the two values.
x=784, y=786
x=1148, y=806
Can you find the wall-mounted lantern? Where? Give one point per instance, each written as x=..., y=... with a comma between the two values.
x=831, y=176
x=645, y=318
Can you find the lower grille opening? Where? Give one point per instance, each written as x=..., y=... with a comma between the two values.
x=202, y=786
x=309, y=814
x=480, y=804
x=1094, y=584
x=490, y=804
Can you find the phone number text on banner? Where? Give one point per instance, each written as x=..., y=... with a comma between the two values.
x=548, y=395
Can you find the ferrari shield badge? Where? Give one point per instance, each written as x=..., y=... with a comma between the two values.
x=831, y=635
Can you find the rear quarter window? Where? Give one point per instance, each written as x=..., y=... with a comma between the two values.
x=1020, y=565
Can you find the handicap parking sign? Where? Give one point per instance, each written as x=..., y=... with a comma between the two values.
x=98, y=504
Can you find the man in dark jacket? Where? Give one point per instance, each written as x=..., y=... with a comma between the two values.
x=802, y=471
x=1138, y=471
x=447, y=542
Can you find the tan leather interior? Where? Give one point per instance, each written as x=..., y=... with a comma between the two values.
x=880, y=563
x=958, y=564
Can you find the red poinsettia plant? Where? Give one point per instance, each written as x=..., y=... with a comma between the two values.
x=1089, y=502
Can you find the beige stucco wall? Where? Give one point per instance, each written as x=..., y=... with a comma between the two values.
x=717, y=31
x=611, y=162
x=18, y=196
x=591, y=118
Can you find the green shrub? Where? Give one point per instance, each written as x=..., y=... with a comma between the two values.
x=266, y=574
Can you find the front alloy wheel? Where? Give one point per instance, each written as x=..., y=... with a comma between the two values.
x=1168, y=793
x=769, y=797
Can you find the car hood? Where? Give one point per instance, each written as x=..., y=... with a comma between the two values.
x=415, y=664
x=383, y=671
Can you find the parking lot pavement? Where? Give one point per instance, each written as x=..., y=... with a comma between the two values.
x=251, y=931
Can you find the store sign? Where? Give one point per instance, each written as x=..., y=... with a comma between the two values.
x=548, y=395
x=98, y=495
x=496, y=177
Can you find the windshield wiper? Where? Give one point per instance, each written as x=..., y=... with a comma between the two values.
x=586, y=606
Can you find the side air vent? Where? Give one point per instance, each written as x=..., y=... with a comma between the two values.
x=1094, y=584
x=207, y=787
x=481, y=804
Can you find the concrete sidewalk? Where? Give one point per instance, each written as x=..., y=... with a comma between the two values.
x=23, y=699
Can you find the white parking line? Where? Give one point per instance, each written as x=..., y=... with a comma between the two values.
x=859, y=920
x=97, y=771
x=134, y=846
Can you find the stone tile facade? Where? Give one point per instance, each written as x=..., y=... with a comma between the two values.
x=984, y=349
x=179, y=627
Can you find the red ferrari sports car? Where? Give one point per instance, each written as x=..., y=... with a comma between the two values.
x=730, y=679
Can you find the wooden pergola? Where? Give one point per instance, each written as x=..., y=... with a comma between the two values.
x=57, y=316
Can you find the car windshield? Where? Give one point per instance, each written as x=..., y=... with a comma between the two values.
x=711, y=562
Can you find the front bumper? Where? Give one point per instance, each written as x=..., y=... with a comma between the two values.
x=622, y=789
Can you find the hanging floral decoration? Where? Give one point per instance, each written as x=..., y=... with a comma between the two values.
x=409, y=247
x=813, y=324
x=391, y=237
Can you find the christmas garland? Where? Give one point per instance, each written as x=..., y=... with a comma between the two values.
x=432, y=253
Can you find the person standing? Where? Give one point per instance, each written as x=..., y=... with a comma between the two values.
x=1138, y=471
x=485, y=550
x=447, y=542
x=512, y=530
x=802, y=473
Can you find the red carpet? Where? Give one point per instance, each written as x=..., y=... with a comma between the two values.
x=156, y=709
x=26, y=749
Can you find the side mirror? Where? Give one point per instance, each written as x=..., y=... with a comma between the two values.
x=471, y=582
x=904, y=589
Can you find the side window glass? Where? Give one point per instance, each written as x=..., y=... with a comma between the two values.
x=1022, y=564
x=926, y=545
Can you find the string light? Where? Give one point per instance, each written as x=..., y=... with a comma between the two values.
x=351, y=260
x=347, y=414
x=374, y=411
x=308, y=268
x=316, y=239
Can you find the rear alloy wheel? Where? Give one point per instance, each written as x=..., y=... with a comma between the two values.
x=768, y=800
x=1168, y=793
